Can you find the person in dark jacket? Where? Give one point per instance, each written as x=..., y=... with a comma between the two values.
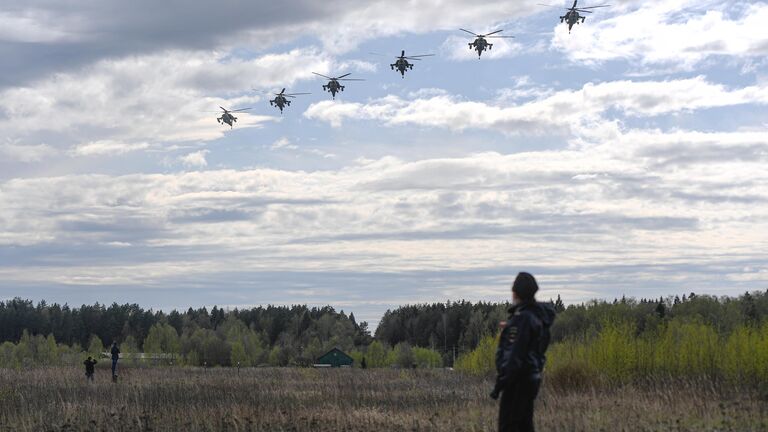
x=115, y=351
x=520, y=356
x=89, y=368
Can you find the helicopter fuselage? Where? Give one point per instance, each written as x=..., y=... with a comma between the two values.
x=572, y=18
x=333, y=87
x=227, y=118
x=280, y=102
x=480, y=45
x=401, y=65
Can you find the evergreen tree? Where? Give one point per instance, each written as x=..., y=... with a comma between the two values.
x=559, y=305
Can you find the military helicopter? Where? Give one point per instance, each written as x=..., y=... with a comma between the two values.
x=228, y=118
x=572, y=16
x=402, y=65
x=333, y=85
x=481, y=44
x=281, y=100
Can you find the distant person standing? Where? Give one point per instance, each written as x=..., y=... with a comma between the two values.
x=89, y=368
x=115, y=351
x=520, y=356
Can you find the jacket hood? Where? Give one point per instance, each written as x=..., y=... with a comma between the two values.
x=545, y=312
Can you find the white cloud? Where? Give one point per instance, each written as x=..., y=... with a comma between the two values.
x=33, y=26
x=195, y=159
x=107, y=148
x=27, y=153
x=674, y=33
x=157, y=99
x=283, y=143
x=626, y=202
x=387, y=18
x=561, y=110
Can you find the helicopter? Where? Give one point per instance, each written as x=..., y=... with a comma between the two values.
x=572, y=16
x=333, y=85
x=402, y=65
x=481, y=44
x=228, y=118
x=281, y=100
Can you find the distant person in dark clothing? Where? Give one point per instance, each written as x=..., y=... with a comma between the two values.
x=115, y=351
x=520, y=356
x=89, y=368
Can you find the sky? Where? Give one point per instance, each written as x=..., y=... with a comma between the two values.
x=629, y=157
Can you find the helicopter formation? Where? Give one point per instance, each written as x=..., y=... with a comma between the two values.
x=402, y=65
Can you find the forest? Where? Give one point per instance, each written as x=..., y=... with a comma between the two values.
x=621, y=338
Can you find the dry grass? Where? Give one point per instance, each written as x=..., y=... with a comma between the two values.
x=165, y=399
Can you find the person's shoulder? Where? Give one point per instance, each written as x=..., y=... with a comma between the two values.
x=528, y=316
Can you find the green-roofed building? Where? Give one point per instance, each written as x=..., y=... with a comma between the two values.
x=334, y=358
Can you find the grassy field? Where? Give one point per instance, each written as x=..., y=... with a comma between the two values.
x=168, y=399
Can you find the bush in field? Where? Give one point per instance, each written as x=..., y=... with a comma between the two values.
x=480, y=361
x=95, y=346
x=427, y=358
x=376, y=355
x=162, y=338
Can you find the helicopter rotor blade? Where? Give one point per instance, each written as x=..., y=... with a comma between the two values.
x=241, y=109
x=225, y=110
x=574, y=4
x=582, y=11
x=296, y=94
x=591, y=7
x=350, y=79
x=420, y=55
x=345, y=75
x=474, y=34
x=282, y=91
x=497, y=31
x=501, y=37
x=322, y=75
x=402, y=54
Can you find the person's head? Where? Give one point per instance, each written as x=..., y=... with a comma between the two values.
x=114, y=344
x=524, y=288
x=90, y=358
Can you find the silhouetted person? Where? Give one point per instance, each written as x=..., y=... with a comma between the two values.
x=520, y=356
x=115, y=351
x=89, y=368
x=363, y=364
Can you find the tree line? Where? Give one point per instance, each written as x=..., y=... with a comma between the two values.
x=275, y=335
x=422, y=335
x=463, y=324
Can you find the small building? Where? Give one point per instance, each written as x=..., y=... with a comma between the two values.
x=334, y=358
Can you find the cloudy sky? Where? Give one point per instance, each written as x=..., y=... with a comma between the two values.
x=629, y=157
